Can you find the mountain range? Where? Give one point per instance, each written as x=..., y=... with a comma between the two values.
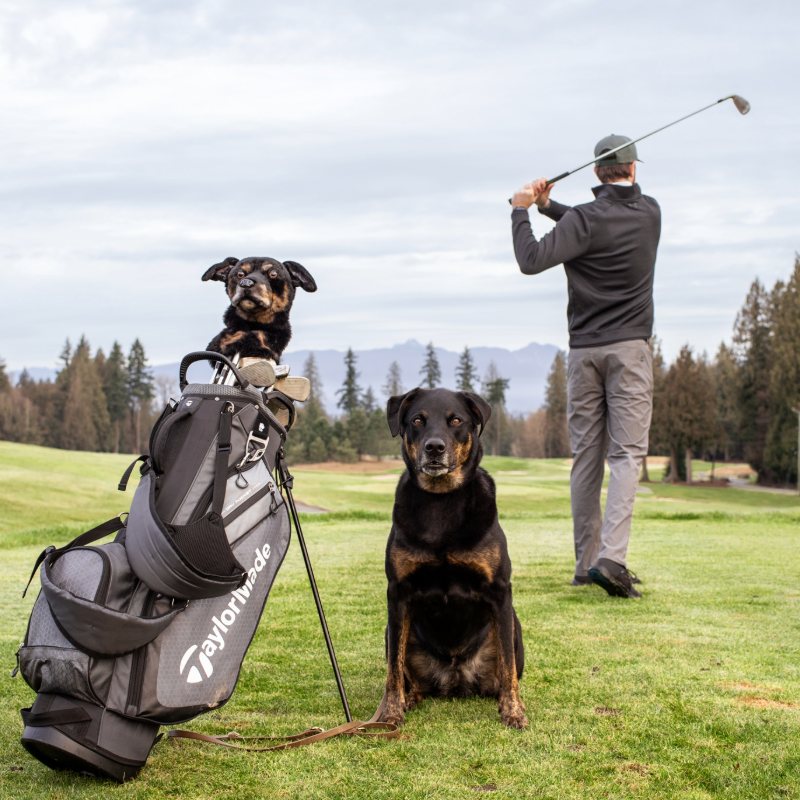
x=526, y=370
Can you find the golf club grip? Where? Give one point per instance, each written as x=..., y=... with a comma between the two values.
x=551, y=181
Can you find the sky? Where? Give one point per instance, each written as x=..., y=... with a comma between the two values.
x=377, y=145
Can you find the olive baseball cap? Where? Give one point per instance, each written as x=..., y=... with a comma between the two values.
x=625, y=156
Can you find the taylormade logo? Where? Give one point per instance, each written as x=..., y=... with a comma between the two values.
x=221, y=625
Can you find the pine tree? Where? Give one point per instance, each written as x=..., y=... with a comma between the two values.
x=66, y=352
x=780, y=453
x=311, y=371
x=753, y=347
x=350, y=393
x=116, y=389
x=689, y=409
x=5, y=383
x=431, y=372
x=494, y=392
x=726, y=377
x=368, y=401
x=466, y=372
x=85, y=424
x=394, y=381
x=556, y=443
x=140, y=389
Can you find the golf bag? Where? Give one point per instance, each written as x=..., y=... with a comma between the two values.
x=152, y=628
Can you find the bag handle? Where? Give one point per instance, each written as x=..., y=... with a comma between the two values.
x=207, y=355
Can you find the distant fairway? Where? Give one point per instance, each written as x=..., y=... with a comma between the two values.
x=693, y=692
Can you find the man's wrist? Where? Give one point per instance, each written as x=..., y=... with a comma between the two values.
x=520, y=208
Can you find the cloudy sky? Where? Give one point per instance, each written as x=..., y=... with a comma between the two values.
x=376, y=144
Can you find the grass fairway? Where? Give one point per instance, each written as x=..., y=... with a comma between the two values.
x=692, y=692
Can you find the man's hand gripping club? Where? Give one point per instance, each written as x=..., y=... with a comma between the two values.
x=537, y=192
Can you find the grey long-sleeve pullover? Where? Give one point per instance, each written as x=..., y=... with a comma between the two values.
x=608, y=249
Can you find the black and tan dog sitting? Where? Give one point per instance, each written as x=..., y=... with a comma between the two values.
x=452, y=630
x=261, y=291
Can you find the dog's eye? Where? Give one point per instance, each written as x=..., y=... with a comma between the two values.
x=240, y=274
x=273, y=273
x=455, y=421
x=417, y=421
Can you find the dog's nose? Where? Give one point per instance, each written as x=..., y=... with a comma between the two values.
x=246, y=283
x=434, y=447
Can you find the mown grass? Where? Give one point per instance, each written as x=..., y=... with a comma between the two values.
x=693, y=692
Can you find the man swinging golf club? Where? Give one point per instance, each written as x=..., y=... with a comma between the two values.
x=608, y=248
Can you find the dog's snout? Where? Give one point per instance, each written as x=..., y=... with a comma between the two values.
x=246, y=283
x=435, y=447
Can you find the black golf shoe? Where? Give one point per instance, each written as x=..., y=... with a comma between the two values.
x=614, y=578
x=581, y=580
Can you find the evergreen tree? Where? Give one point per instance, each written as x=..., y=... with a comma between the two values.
x=140, y=389
x=368, y=401
x=350, y=393
x=780, y=454
x=85, y=424
x=5, y=383
x=394, y=381
x=556, y=442
x=753, y=347
x=494, y=392
x=689, y=412
x=466, y=372
x=726, y=378
x=116, y=390
x=311, y=371
x=66, y=352
x=431, y=372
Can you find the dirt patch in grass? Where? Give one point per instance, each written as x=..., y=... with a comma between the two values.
x=756, y=701
x=636, y=768
x=605, y=711
x=745, y=686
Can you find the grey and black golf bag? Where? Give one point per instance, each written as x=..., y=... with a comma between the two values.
x=152, y=628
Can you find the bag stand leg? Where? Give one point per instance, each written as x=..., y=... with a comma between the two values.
x=286, y=483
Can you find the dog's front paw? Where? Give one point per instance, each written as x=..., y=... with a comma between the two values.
x=393, y=718
x=413, y=699
x=515, y=720
x=512, y=714
x=393, y=710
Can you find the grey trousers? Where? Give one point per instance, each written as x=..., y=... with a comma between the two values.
x=609, y=406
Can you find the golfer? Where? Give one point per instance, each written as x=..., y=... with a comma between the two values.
x=608, y=249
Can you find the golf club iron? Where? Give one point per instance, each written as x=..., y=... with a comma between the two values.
x=742, y=106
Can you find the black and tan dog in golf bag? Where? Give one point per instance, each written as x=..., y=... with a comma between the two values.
x=152, y=628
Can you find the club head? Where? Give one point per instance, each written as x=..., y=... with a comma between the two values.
x=742, y=106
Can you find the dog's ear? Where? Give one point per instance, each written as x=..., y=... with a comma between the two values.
x=478, y=408
x=300, y=276
x=219, y=272
x=396, y=407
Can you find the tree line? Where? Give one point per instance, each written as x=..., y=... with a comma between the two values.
x=96, y=402
x=737, y=406
x=361, y=430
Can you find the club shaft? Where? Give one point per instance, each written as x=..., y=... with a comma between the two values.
x=628, y=144
x=608, y=153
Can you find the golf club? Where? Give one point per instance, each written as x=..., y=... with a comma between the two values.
x=742, y=106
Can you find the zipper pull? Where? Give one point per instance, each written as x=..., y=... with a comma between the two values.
x=16, y=669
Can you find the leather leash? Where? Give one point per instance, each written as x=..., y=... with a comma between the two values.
x=371, y=729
